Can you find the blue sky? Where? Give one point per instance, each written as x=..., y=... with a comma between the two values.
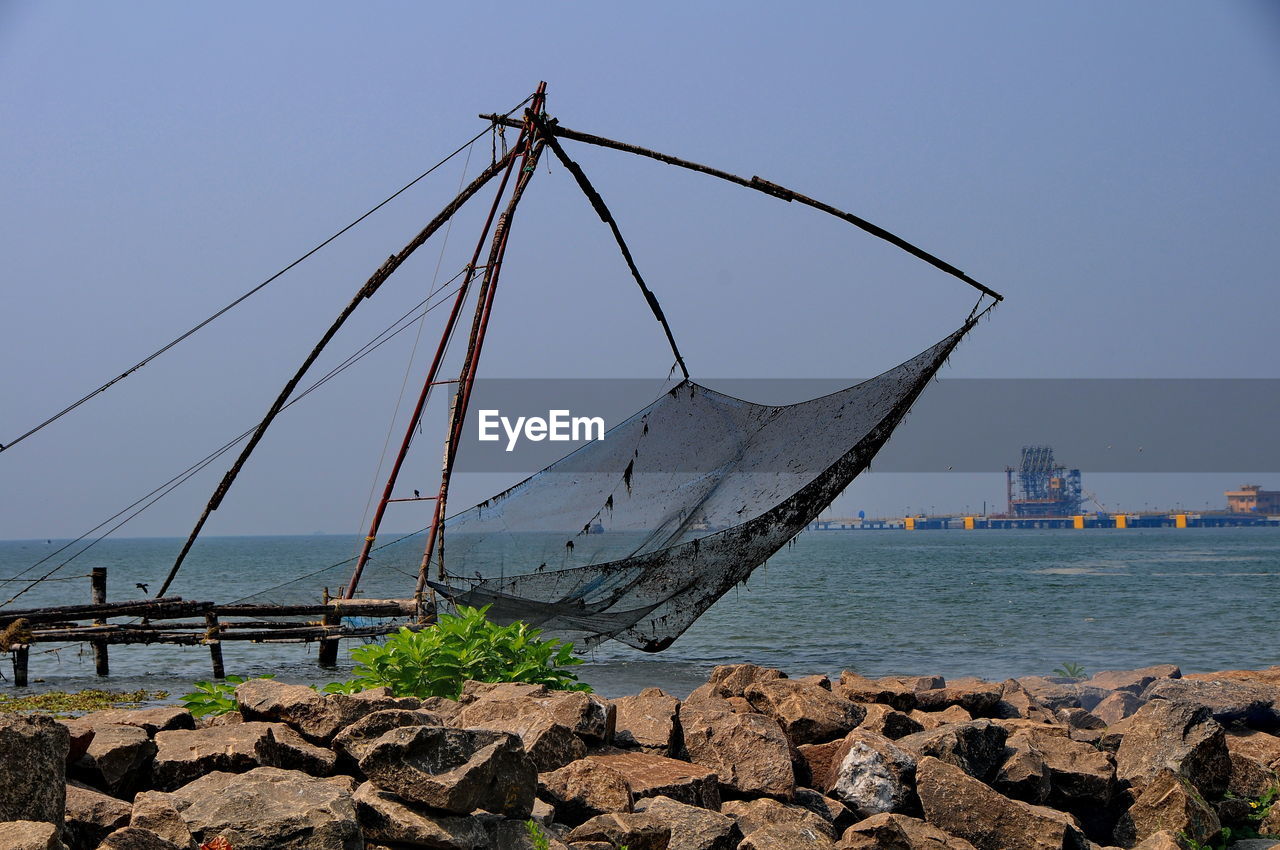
x=1109, y=167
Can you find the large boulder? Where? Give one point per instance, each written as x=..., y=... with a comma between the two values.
x=889, y=722
x=648, y=720
x=1080, y=777
x=455, y=770
x=1169, y=802
x=898, y=832
x=151, y=720
x=692, y=828
x=135, y=838
x=958, y=804
x=1229, y=701
x=316, y=716
x=976, y=747
x=1259, y=746
x=732, y=680
x=633, y=831
x=583, y=789
x=117, y=760
x=1175, y=736
x=355, y=740
x=934, y=719
x=387, y=819
x=1117, y=707
x=768, y=825
x=749, y=752
x=271, y=809
x=184, y=755
x=1133, y=681
x=29, y=835
x=807, y=712
x=654, y=776
x=33, y=768
x=91, y=815
x=871, y=775
x=980, y=699
x=893, y=693
x=1017, y=702
x=1054, y=692
x=549, y=742
x=157, y=813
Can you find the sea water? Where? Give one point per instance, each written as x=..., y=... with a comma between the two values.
x=986, y=603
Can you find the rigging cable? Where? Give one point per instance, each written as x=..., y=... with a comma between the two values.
x=173, y=483
x=152, y=356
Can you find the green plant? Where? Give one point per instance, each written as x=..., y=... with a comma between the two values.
x=540, y=839
x=435, y=661
x=1070, y=670
x=63, y=704
x=212, y=698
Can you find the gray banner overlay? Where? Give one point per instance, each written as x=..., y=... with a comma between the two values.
x=957, y=425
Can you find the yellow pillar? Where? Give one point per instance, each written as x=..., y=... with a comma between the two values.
x=968, y=523
x=1077, y=521
x=1122, y=521
x=909, y=523
x=1180, y=521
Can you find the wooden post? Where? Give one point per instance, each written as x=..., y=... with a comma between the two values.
x=98, y=581
x=329, y=646
x=20, y=655
x=213, y=637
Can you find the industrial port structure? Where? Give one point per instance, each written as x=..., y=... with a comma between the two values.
x=1046, y=488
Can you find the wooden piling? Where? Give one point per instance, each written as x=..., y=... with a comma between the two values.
x=213, y=638
x=21, y=654
x=328, y=654
x=98, y=582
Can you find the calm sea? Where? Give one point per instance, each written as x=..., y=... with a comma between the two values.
x=988, y=603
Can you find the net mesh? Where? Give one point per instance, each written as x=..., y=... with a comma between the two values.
x=634, y=536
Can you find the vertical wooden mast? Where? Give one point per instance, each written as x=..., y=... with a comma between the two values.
x=526, y=150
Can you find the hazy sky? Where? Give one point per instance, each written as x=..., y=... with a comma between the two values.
x=1110, y=167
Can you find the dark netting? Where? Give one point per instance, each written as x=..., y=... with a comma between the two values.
x=633, y=537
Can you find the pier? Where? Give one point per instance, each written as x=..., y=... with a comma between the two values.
x=1077, y=521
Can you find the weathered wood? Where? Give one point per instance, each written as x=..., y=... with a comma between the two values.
x=98, y=585
x=213, y=639
x=327, y=655
x=354, y=607
x=21, y=655
x=168, y=607
x=144, y=634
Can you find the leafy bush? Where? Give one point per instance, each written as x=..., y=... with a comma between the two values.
x=438, y=659
x=210, y=698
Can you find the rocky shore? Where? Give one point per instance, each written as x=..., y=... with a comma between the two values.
x=752, y=760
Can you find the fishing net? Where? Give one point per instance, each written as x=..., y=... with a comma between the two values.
x=634, y=536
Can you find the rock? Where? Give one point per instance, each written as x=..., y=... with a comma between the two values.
x=898, y=832
x=1024, y=775
x=634, y=831
x=80, y=735
x=1270, y=825
x=980, y=699
x=934, y=719
x=549, y=742
x=1169, y=802
x=749, y=752
x=1270, y=676
x=134, y=838
x=889, y=722
x=654, y=776
x=590, y=717
x=692, y=828
x=1248, y=777
x=1174, y=736
x=1017, y=701
x=584, y=789
x=648, y=720
x=91, y=815
x=184, y=755
x=354, y=740
x=29, y=835
x=832, y=811
x=808, y=714
x=156, y=812
x=1133, y=681
x=1259, y=746
x=871, y=774
x=732, y=680
x=456, y=770
x=1081, y=778
x=117, y=760
x=1166, y=840
x=151, y=720
x=813, y=763
x=890, y=692
x=1118, y=706
x=1229, y=701
x=770, y=825
x=976, y=747
x=270, y=809
x=1055, y=693
x=33, y=768
x=317, y=717
x=384, y=817
x=1078, y=718
x=965, y=807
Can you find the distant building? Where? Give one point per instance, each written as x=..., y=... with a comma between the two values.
x=1251, y=499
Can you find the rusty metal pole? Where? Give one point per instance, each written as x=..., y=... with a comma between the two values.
x=98, y=583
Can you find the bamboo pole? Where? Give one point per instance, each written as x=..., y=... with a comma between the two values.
x=98, y=582
x=155, y=609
